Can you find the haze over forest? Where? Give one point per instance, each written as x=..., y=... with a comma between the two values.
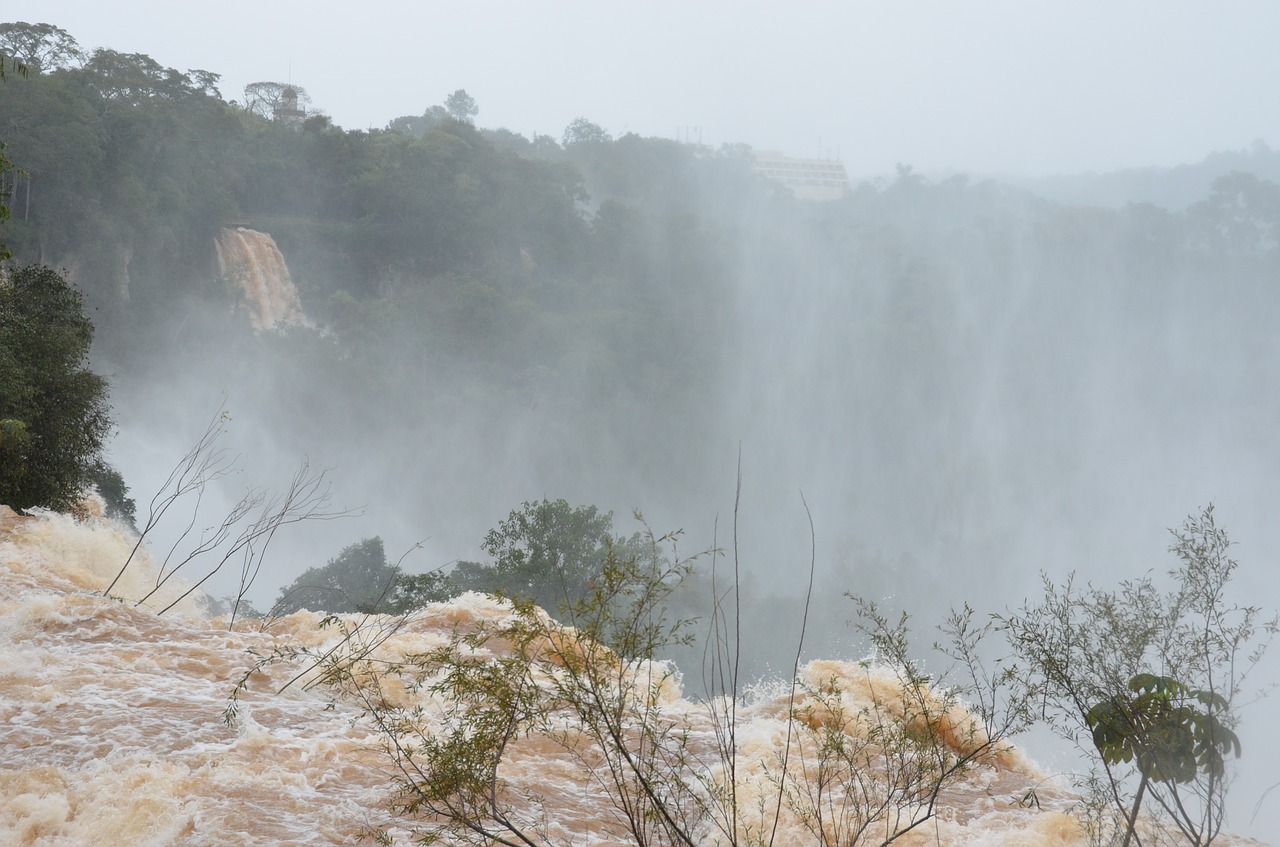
x=971, y=379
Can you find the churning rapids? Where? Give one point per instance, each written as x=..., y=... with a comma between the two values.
x=112, y=727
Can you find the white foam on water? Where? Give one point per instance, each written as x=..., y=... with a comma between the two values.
x=112, y=732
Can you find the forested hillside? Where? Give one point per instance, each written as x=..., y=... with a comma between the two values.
x=938, y=364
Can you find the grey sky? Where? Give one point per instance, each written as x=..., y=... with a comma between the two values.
x=1012, y=86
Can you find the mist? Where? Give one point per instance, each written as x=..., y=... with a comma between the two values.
x=963, y=384
x=967, y=384
x=937, y=387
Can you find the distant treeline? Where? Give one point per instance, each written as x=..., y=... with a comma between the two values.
x=605, y=318
x=491, y=244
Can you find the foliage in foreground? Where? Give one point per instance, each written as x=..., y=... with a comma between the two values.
x=1147, y=680
x=242, y=534
x=54, y=416
x=591, y=700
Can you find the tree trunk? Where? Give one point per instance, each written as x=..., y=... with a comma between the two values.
x=1133, y=813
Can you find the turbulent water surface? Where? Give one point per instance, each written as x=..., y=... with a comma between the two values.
x=112, y=728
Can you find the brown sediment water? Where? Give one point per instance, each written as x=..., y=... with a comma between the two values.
x=254, y=263
x=112, y=732
x=111, y=728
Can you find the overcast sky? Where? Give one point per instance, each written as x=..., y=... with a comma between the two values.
x=1015, y=86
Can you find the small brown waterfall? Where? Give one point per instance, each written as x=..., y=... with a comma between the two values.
x=254, y=263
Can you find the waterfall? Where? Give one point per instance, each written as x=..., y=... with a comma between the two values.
x=112, y=730
x=254, y=263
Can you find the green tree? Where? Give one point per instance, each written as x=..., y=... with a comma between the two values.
x=47, y=387
x=18, y=67
x=413, y=591
x=43, y=47
x=111, y=487
x=1169, y=732
x=461, y=106
x=358, y=579
x=266, y=98
x=583, y=131
x=416, y=126
x=546, y=552
x=6, y=167
x=1240, y=217
x=1151, y=677
x=7, y=171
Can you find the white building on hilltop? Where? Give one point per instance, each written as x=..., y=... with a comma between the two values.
x=808, y=179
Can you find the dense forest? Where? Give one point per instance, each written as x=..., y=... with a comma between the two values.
x=938, y=362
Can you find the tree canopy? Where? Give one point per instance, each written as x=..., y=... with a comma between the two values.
x=356, y=580
x=461, y=106
x=54, y=415
x=1153, y=678
x=583, y=131
x=266, y=99
x=41, y=46
x=546, y=552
